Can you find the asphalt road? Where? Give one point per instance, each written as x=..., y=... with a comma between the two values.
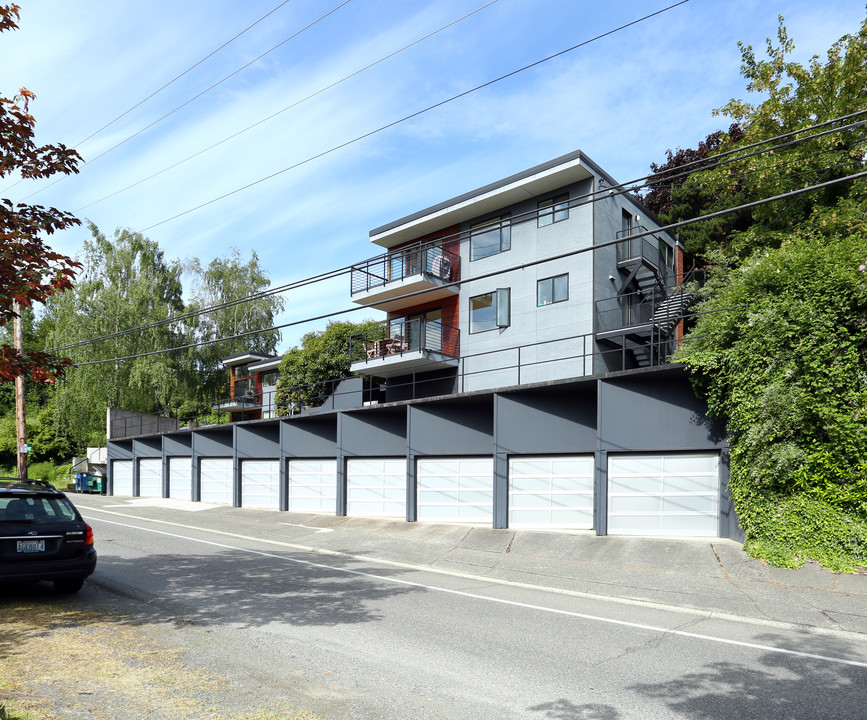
x=361, y=640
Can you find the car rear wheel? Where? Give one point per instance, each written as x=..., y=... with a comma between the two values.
x=68, y=586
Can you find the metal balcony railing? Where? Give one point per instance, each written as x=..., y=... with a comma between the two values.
x=396, y=337
x=649, y=250
x=432, y=261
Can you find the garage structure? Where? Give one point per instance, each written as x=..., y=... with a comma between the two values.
x=631, y=453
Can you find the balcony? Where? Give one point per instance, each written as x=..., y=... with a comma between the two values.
x=383, y=280
x=401, y=346
x=648, y=253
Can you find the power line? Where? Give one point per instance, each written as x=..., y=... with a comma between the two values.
x=170, y=82
x=178, y=77
x=414, y=115
x=203, y=92
x=590, y=197
x=291, y=106
x=494, y=273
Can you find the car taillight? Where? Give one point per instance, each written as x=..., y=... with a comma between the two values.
x=89, y=539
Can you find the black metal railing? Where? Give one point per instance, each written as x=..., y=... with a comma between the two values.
x=432, y=261
x=650, y=250
x=396, y=337
x=660, y=308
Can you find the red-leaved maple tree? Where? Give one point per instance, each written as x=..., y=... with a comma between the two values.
x=30, y=271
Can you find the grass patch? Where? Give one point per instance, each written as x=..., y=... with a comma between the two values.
x=57, y=660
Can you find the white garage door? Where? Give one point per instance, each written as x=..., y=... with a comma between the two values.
x=260, y=484
x=376, y=488
x=313, y=486
x=181, y=478
x=150, y=477
x=121, y=477
x=553, y=492
x=664, y=495
x=456, y=490
x=216, y=478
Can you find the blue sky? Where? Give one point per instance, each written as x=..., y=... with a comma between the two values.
x=623, y=100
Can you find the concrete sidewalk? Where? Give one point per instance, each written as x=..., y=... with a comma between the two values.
x=710, y=576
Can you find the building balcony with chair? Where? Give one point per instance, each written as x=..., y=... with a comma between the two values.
x=404, y=345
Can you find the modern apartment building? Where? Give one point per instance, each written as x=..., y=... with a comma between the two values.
x=519, y=378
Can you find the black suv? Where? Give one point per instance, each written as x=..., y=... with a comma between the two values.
x=42, y=536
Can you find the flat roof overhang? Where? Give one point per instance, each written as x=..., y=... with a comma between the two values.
x=382, y=296
x=400, y=364
x=537, y=180
x=238, y=406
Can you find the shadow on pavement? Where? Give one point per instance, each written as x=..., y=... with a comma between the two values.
x=789, y=686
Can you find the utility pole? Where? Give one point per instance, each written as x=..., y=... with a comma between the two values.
x=20, y=417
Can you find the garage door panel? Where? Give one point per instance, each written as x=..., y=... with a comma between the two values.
x=635, y=465
x=582, y=467
x=376, y=487
x=217, y=480
x=553, y=492
x=635, y=485
x=455, y=490
x=695, y=525
x=680, y=499
x=693, y=504
x=121, y=475
x=150, y=477
x=260, y=484
x=312, y=485
x=686, y=484
x=181, y=478
x=704, y=464
x=636, y=504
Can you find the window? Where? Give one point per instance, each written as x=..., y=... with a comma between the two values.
x=490, y=237
x=270, y=377
x=553, y=210
x=490, y=311
x=552, y=290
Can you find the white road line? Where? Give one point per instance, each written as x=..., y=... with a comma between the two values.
x=512, y=603
x=307, y=527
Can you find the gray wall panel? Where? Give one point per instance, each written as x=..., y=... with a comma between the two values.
x=546, y=422
x=148, y=447
x=259, y=441
x=453, y=428
x=214, y=443
x=656, y=410
x=178, y=445
x=309, y=437
x=374, y=433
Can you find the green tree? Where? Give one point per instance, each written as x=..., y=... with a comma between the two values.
x=306, y=371
x=794, y=97
x=780, y=345
x=226, y=283
x=125, y=283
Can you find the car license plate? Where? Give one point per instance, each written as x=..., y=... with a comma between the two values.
x=29, y=546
